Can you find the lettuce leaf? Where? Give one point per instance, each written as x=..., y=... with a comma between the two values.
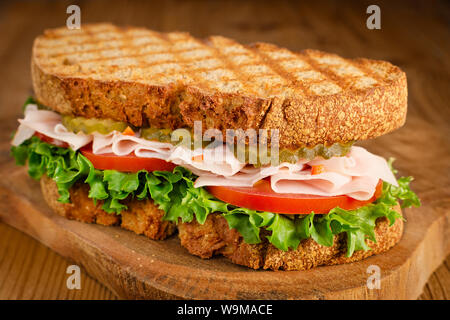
x=175, y=194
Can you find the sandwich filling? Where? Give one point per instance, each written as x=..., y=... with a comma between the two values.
x=310, y=198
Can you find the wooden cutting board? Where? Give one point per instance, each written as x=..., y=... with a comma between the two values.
x=134, y=266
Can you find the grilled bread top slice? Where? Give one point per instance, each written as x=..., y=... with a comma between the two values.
x=169, y=80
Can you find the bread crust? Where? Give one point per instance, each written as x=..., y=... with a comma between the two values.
x=215, y=238
x=142, y=217
x=303, y=117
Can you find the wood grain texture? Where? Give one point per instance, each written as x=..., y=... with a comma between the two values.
x=136, y=267
x=30, y=270
x=414, y=36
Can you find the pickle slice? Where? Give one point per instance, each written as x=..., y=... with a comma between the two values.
x=88, y=126
x=161, y=135
x=292, y=156
x=247, y=153
x=165, y=135
x=251, y=153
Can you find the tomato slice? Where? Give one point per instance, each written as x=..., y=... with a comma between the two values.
x=262, y=197
x=128, y=163
x=52, y=141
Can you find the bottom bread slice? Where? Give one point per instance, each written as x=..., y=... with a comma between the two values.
x=142, y=217
x=214, y=237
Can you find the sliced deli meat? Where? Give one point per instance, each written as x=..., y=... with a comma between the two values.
x=49, y=124
x=355, y=174
x=218, y=160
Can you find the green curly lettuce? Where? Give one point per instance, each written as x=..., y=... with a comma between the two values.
x=175, y=194
x=63, y=165
x=358, y=224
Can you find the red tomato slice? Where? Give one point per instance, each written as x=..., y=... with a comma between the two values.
x=128, y=163
x=52, y=141
x=262, y=197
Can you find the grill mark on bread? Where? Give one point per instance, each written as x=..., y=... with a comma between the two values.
x=278, y=68
x=329, y=75
x=359, y=63
x=232, y=66
x=250, y=86
x=107, y=47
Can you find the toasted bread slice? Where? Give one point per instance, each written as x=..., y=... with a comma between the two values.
x=142, y=217
x=172, y=79
x=214, y=237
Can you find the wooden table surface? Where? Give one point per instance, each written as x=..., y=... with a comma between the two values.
x=414, y=35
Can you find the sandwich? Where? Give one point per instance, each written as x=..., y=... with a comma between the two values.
x=244, y=151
